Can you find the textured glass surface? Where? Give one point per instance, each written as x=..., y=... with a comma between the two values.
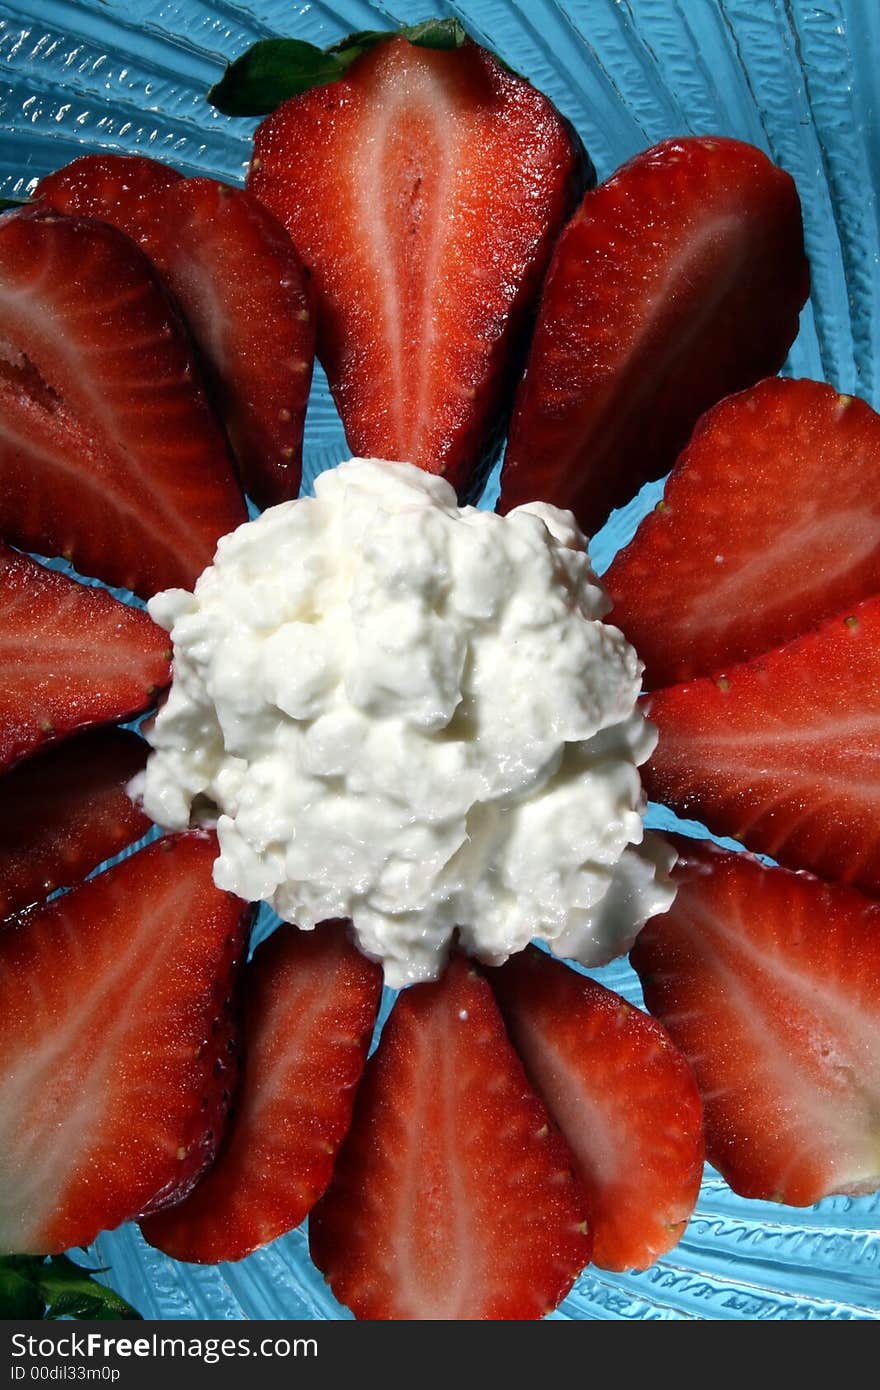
x=796, y=78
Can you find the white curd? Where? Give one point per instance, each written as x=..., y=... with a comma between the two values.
x=411, y=714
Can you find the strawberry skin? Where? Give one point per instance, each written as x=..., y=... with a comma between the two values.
x=770, y=522
x=623, y=1097
x=241, y=288
x=62, y=813
x=783, y=752
x=677, y=281
x=424, y=191
x=71, y=656
x=769, y=982
x=109, y=454
x=453, y=1196
x=123, y=189
x=117, y=1049
x=310, y=1003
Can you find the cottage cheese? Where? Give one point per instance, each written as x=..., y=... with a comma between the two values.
x=411, y=714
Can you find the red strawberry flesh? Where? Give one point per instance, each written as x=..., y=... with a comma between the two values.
x=62, y=813
x=71, y=656
x=453, y=1197
x=116, y=1045
x=769, y=981
x=123, y=189
x=770, y=522
x=677, y=281
x=109, y=454
x=245, y=295
x=424, y=191
x=310, y=1002
x=241, y=287
x=782, y=752
x=622, y=1095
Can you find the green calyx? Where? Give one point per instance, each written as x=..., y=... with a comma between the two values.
x=275, y=69
x=55, y=1287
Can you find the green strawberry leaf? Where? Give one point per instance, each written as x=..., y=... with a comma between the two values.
x=66, y=1286
x=275, y=69
x=7, y=203
x=428, y=33
x=89, y=1305
x=269, y=73
x=33, y=1287
x=18, y=1296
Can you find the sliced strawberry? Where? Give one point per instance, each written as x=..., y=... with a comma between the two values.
x=124, y=189
x=678, y=281
x=453, y=1197
x=783, y=752
x=770, y=522
x=65, y=811
x=310, y=1003
x=424, y=191
x=71, y=656
x=248, y=301
x=623, y=1097
x=108, y=451
x=769, y=981
x=116, y=1045
x=242, y=290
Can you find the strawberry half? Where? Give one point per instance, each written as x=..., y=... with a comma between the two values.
x=240, y=286
x=783, y=752
x=71, y=656
x=65, y=811
x=679, y=280
x=770, y=522
x=453, y=1196
x=123, y=189
x=109, y=454
x=116, y=1045
x=769, y=982
x=623, y=1097
x=424, y=191
x=310, y=1003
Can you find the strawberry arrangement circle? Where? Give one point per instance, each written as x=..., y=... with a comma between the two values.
x=710, y=700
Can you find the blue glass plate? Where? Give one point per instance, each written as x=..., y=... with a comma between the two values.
x=795, y=78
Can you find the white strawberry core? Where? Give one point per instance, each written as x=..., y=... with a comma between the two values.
x=411, y=714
